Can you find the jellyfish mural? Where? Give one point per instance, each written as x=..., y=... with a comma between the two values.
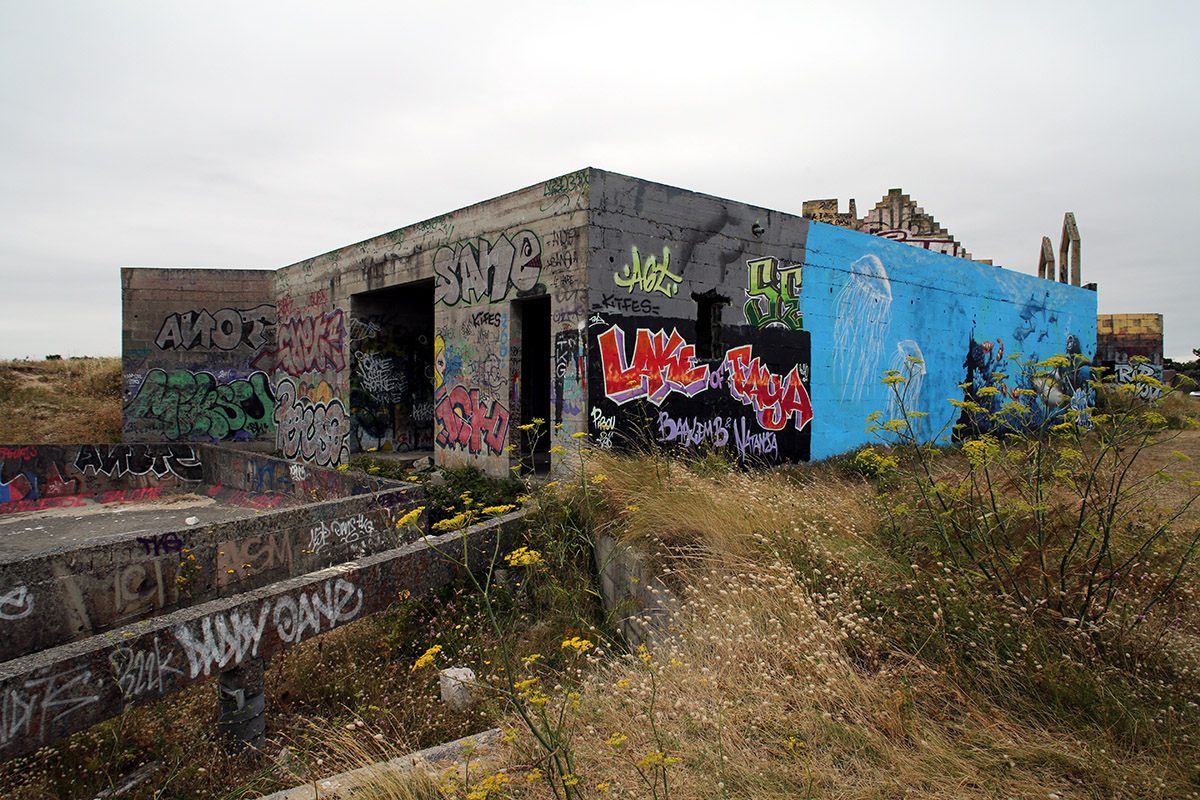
x=909, y=361
x=863, y=312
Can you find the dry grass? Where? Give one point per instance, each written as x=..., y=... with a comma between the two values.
x=806, y=662
x=46, y=402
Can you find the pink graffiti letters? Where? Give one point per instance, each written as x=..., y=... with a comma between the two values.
x=465, y=420
x=312, y=344
x=661, y=364
x=774, y=399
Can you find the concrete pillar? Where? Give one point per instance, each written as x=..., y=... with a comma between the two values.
x=241, y=720
x=1069, y=249
x=1046, y=260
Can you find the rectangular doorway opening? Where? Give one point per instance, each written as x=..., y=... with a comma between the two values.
x=532, y=322
x=391, y=370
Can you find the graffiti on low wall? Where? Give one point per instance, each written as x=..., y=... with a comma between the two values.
x=36, y=477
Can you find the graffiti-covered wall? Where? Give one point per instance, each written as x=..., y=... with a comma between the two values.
x=197, y=353
x=637, y=312
x=410, y=341
x=872, y=305
x=696, y=339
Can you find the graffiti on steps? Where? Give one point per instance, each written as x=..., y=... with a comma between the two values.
x=39, y=703
x=16, y=603
x=773, y=294
x=479, y=271
x=119, y=460
x=649, y=274
x=315, y=432
x=227, y=329
x=192, y=405
x=226, y=638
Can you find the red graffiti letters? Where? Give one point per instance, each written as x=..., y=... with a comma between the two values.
x=775, y=399
x=661, y=364
x=312, y=344
x=464, y=420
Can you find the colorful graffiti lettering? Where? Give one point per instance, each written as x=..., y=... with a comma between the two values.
x=227, y=329
x=118, y=460
x=1130, y=372
x=650, y=275
x=661, y=364
x=481, y=271
x=312, y=343
x=775, y=400
x=192, y=404
x=773, y=294
x=314, y=432
x=465, y=420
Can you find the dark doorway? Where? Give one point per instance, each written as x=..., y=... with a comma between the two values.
x=532, y=321
x=391, y=369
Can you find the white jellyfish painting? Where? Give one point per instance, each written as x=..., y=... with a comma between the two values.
x=909, y=361
x=863, y=312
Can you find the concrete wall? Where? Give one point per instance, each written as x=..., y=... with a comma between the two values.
x=50, y=694
x=740, y=385
x=870, y=303
x=57, y=594
x=197, y=352
x=41, y=476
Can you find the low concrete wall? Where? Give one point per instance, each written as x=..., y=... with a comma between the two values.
x=40, y=476
x=68, y=592
x=642, y=604
x=260, y=474
x=48, y=695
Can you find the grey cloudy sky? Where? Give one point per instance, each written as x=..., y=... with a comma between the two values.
x=232, y=134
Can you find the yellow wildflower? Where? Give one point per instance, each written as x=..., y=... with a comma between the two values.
x=579, y=435
x=411, y=517
x=504, y=509
x=599, y=478
x=524, y=557
x=426, y=658
x=577, y=644
x=617, y=740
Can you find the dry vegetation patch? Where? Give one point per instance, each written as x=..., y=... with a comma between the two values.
x=48, y=402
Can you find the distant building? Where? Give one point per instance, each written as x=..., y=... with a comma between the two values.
x=896, y=217
x=1123, y=340
x=597, y=304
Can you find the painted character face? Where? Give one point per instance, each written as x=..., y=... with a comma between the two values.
x=439, y=362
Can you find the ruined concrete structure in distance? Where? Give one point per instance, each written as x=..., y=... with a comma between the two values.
x=1129, y=345
x=599, y=304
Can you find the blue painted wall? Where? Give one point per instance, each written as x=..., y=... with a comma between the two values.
x=869, y=302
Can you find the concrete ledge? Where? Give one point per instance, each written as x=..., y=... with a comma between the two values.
x=642, y=603
x=48, y=695
x=344, y=784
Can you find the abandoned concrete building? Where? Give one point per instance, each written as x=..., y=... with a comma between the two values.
x=598, y=304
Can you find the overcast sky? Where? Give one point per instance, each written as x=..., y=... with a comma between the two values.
x=239, y=134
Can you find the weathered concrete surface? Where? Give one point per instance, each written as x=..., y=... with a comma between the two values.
x=51, y=528
x=50, y=694
x=63, y=579
x=345, y=784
